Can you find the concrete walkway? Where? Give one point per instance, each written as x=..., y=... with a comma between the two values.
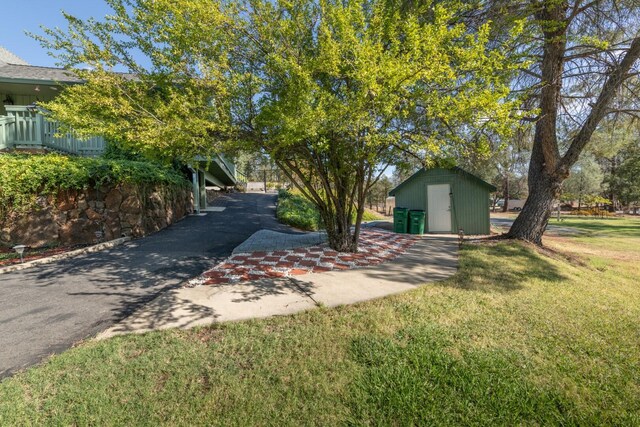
x=432, y=258
x=48, y=308
x=269, y=240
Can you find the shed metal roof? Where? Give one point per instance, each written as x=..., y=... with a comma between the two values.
x=455, y=169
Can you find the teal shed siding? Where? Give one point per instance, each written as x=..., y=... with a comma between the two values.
x=469, y=199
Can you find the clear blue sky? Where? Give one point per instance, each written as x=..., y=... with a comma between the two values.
x=28, y=15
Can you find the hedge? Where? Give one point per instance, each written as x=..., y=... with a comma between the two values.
x=297, y=211
x=24, y=177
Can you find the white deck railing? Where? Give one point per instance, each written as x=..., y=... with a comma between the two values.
x=29, y=129
x=7, y=130
x=24, y=127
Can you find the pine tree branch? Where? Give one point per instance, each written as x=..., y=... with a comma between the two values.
x=601, y=106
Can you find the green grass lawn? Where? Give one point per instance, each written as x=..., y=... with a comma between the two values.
x=624, y=226
x=516, y=337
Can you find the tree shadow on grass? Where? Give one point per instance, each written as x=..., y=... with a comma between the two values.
x=501, y=267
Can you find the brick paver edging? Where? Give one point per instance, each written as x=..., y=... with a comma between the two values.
x=376, y=246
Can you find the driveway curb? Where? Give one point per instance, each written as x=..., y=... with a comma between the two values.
x=95, y=248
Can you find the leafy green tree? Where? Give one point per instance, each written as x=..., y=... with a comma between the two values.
x=611, y=145
x=404, y=167
x=506, y=168
x=625, y=181
x=333, y=91
x=585, y=180
x=378, y=193
x=256, y=166
x=596, y=201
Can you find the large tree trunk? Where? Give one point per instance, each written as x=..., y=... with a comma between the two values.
x=338, y=228
x=544, y=183
x=544, y=189
x=340, y=240
x=340, y=235
x=548, y=169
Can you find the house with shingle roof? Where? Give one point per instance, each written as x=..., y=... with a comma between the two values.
x=22, y=127
x=22, y=86
x=25, y=84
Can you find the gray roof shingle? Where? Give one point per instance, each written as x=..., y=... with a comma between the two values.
x=14, y=69
x=10, y=72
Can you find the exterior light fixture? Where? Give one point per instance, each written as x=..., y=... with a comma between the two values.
x=37, y=89
x=20, y=251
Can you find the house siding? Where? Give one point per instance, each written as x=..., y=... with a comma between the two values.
x=22, y=99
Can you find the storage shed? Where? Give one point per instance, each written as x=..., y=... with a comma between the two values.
x=452, y=198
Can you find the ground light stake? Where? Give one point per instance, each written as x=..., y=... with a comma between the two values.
x=20, y=250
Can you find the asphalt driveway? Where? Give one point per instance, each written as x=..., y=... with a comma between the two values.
x=46, y=309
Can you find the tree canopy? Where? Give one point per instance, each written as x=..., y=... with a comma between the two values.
x=584, y=70
x=333, y=91
x=624, y=180
x=585, y=181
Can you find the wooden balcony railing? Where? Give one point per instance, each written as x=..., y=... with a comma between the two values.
x=24, y=127
x=7, y=130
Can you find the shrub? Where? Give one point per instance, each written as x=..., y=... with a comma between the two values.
x=371, y=216
x=241, y=187
x=592, y=212
x=580, y=212
x=283, y=194
x=25, y=177
x=295, y=210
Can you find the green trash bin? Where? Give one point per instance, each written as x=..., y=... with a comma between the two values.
x=416, y=222
x=400, y=220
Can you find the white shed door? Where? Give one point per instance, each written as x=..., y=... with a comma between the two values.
x=439, y=215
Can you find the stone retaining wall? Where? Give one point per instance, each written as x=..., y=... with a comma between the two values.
x=74, y=217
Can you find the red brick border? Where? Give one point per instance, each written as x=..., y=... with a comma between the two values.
x=376, y=246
